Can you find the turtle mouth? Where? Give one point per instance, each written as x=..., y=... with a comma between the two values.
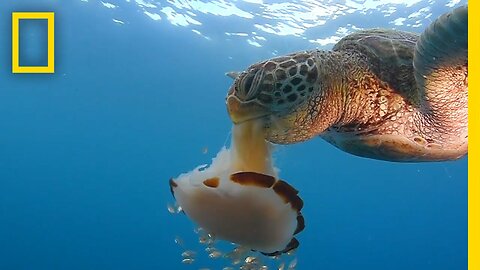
x=245, y=111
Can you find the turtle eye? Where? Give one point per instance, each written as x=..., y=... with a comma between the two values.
x=249, y=84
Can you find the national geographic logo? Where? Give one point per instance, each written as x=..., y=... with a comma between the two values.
x=50, y=18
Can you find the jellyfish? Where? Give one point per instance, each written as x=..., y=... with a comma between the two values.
x=239, y=197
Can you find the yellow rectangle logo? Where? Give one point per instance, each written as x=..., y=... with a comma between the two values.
x=16, y=17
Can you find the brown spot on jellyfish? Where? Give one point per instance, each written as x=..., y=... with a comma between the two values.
x=212, y=182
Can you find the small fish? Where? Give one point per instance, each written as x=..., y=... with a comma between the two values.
x=178, y=241
x=236, y=261
x=188, y=261
x=189, y=254
x=251, y=260
x=215, y=254
x=293, y=264
x=202, y=239
x=171, y=209
x=210, y=249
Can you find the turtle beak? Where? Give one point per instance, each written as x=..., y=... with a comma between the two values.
x=243, y=111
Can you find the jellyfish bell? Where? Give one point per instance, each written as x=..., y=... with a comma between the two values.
x=251, y=209
x=239, y=197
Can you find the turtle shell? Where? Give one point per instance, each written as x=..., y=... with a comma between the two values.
x=389, y=54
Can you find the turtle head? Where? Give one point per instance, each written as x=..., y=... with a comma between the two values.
x=275, y=91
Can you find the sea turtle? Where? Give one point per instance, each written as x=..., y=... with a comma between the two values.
x=382, y=94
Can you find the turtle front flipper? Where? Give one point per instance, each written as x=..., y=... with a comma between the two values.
x=440, y=59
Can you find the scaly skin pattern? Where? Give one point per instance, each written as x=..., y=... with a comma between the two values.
x=378, y=122
x=360, y=105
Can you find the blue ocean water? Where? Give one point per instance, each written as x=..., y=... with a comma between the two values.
x=138, y=97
